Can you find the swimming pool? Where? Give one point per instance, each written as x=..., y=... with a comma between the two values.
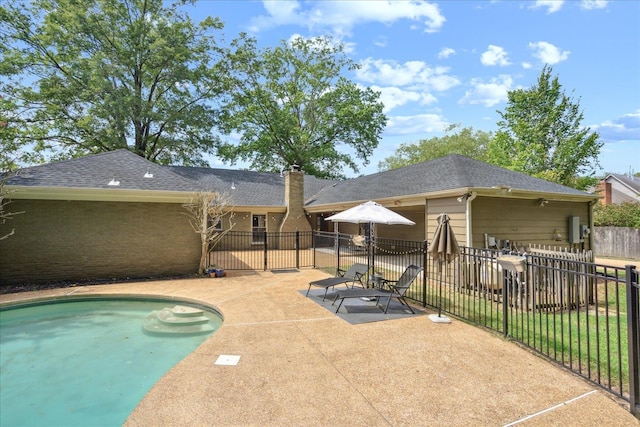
x=89, y=361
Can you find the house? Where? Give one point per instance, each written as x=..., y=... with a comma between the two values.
x=117, y=215
x=616, y=188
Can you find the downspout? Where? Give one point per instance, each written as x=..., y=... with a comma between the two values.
x=591, y=229
x=469, y=242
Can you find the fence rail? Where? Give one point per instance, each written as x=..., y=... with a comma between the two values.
x=581, y=315
x=263, y=251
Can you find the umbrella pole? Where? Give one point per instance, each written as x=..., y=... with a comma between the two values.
x=440, y=290
x=372, y=249
x=337, y=247
x=439, y=318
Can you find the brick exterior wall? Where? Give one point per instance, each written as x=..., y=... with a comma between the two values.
x=79, y=240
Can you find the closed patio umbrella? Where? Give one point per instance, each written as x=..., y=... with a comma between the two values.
x=444, y=245
x=443, y=248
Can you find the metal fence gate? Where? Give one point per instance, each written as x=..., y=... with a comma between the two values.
x=240, y=250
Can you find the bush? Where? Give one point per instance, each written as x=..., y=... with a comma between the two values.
x=623, y=215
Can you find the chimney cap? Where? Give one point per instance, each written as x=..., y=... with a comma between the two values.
x=295, y=167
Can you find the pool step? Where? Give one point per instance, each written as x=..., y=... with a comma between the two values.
x=169, y=315
x=185, y=311
x=177, y=320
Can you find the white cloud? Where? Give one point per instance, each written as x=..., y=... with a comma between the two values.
x=393, y=97
x=526, y=65
x=488, y=94
x=548, y=53
x=419, y=124
x=593, y=4
x=494, y=55
x=411, y=73
x=446, y=52
x=280, y=13
x=341, y=16
x=381, y=42
x=551, y=5
x=623, y=128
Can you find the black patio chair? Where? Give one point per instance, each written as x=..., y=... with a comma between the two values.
x=396, y=289
x=354, y=274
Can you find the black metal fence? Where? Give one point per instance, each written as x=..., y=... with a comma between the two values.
x=263, y=251
x=581, y=315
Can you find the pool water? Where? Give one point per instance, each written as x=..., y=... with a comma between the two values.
x=83, y=363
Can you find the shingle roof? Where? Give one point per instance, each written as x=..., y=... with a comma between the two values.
x=250, y=188
x=267, y=189
x=633, y=182
x=445, y=173
x=96, y=171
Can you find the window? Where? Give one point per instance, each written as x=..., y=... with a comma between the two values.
x=218, y=225
x=259, y=227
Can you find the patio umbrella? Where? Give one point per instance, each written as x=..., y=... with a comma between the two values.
x=370, y=213
x=443, y=248
x=444, y=245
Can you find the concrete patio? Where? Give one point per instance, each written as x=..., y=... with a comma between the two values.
x=300, y=364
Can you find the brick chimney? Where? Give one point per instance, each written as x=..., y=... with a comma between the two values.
x=295, y=218
x=604, y=189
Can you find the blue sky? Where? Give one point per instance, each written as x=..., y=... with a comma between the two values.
x=445, y=62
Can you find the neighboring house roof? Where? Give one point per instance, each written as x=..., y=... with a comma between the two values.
x=446, y=173
x=631, y=182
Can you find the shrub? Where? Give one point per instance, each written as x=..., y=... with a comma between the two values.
x=617, y=215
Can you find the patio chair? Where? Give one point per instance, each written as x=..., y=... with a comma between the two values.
x=396, y=289
x=353, y=275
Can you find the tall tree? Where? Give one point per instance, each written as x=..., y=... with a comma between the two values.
x=85, y=76
x=292, y=105
x=463, y=141
x=540, y=133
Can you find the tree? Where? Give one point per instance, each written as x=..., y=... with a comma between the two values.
x=540, y=134
x=463, y=141
x=86, y=76
x=5, y=214
x=206, y=211
x=291, y=105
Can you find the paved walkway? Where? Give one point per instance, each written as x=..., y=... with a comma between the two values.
x=302, y=365
x=617, y=262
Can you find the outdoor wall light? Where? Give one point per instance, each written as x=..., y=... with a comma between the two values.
x=543, y=202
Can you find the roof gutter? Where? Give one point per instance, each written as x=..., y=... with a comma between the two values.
x=97, y=194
